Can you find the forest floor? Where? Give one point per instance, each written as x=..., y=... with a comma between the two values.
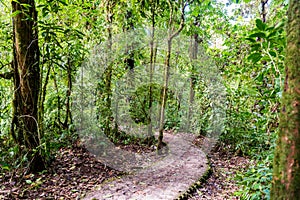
x=220, y=185
x=168, y=177
x=75, y=172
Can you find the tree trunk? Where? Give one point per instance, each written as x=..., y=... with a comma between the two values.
x=58, y=120
x=150, y=136
x=24, y=127
x=193, y=57
x=286, y=174
x=164, y=95
x=42, y=98
x=264, y=10
x=171, y=36
x=105, y=100
x=68, y=117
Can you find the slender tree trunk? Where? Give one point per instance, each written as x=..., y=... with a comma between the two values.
x=150, y=136
x=116, y=110
x=58, y=114
x=286, y=174
x=68, y=117
x=42, y=98
x=108, y=74
x=263, y=10
x=164, y=97
x=193, y=57
x=171, y=36
x=24, y=127
x=106, y=92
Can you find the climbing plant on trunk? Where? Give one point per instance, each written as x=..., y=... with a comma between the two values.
x=286, y=174
x=24, y=126
x=105, y=85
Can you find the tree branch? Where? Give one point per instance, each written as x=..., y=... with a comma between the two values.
x=182, y=20
x=3, y=65
x=7, y=75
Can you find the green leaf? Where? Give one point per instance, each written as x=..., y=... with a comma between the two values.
x=256, y=186
x=4, y=166
x=63, y=2
x=250, y=39
x=270, y=28
x=258, y=34
x=255, y=57
x=260, y=25
x=272, y=34
x=25, y=5
x=255, y=47
x=280, y=25
x=273, y=53
x=16, y=13
x=266, y=58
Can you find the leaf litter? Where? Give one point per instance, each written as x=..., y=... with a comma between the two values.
x=71, y=175
x=221, y=184
x=75, y=172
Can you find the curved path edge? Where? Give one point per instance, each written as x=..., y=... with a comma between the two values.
x=169, y=178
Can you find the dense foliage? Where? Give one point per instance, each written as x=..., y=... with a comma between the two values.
x=244, y=46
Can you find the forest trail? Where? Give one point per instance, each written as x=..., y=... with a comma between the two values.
x=166, y=179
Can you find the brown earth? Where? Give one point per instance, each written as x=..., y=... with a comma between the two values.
x=221, y=185
x=168, y=177
x=75, y=173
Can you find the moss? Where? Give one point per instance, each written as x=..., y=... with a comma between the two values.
x=286, y=174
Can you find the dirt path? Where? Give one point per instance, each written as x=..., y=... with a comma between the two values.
x=167, y=178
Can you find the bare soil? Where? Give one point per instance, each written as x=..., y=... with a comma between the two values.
x=77, y=174
x=168, y=177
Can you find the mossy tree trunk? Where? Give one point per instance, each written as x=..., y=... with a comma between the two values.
x=105, y=85
x=286, y=174
x=110, y=4
x=24, y=126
